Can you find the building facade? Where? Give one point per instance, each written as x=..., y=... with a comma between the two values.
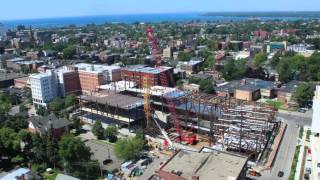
x=137, y=74
x=44, y=88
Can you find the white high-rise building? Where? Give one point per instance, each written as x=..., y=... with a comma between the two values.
x=44, y=88
x=316, y=112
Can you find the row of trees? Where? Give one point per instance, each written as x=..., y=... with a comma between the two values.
x=299, y=67
x=58, y=105
x=109, y=133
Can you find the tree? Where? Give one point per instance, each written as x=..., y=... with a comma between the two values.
x=97, y=130
x=259, y=59
x=69, y=52
x=303, y=94
x=16, y=123
x=42, y=111
x=9, y=142
x=284, y=70
x=73, y=150
x=70, y=100
x=56, y=105
x=234, y=69
x=128, y=149
x=206, y=86
x=25, y=69
x=185, y=56
x=76, y=123
x=208, y=63
x=111, y=133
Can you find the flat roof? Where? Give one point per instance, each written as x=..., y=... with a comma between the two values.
x=30, y=62
x=116, y=100
x=150, y=70
x=95, y=68
x=207, y=164
x=8, y=76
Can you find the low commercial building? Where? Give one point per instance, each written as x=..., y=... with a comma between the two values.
x=207, y=164
x=192, y=66
x=21, y=83
x=248, y=93
x=247, y=89
x=284, y=93
x=17, y=64
x=7, y=79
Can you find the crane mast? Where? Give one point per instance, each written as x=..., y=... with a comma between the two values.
x=156, y=58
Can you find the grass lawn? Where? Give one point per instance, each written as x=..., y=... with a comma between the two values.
x=50, y=176
x=294, y=163
x=276, y=104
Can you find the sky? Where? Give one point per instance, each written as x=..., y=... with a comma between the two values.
x=33, y=9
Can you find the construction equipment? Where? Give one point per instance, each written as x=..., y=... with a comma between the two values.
x=189, y=138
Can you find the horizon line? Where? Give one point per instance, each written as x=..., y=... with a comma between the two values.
x=125, y=14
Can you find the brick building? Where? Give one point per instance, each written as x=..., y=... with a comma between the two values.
x=138, y=73
x=92, y=76
x=41, y=125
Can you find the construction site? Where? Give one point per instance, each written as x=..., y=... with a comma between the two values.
x=190, y=119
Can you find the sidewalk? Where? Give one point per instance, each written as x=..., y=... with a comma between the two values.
x=303, y=143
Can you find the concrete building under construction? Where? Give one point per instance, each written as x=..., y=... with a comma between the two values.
x=226, y=124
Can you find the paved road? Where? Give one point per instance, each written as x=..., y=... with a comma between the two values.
x=302, y=119
x=287, y=148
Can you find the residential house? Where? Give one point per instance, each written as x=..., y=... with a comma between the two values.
x=42, y=125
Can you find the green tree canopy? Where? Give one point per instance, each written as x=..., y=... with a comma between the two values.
x=303, y=94
x=111, y=133
x=259, y=59
x=56, y=105
x=9, y=142
x=69, y=52
x=185, y=56
x=234, y=69
x=72, y=150
x=129, y=149
x=98, y=130
x=70, y=100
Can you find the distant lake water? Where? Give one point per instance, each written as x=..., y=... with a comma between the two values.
x=152, y=18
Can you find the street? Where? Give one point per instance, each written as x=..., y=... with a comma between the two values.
x=287, y=148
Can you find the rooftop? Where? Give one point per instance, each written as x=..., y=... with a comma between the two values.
x=116, y=100
x=43, y=123
x=150, y=70
x=65, y=177
x=15, y=60
x=95, y=68
x=30, y=62
x=8, y=76
x=207, y=164
x=246, y=84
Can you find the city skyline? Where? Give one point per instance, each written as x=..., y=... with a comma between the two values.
x=36, y=9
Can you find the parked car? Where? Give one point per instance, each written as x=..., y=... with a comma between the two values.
x=280, y=174
x=301, y=110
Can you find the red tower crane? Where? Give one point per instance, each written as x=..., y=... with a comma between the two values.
x=156, y=58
